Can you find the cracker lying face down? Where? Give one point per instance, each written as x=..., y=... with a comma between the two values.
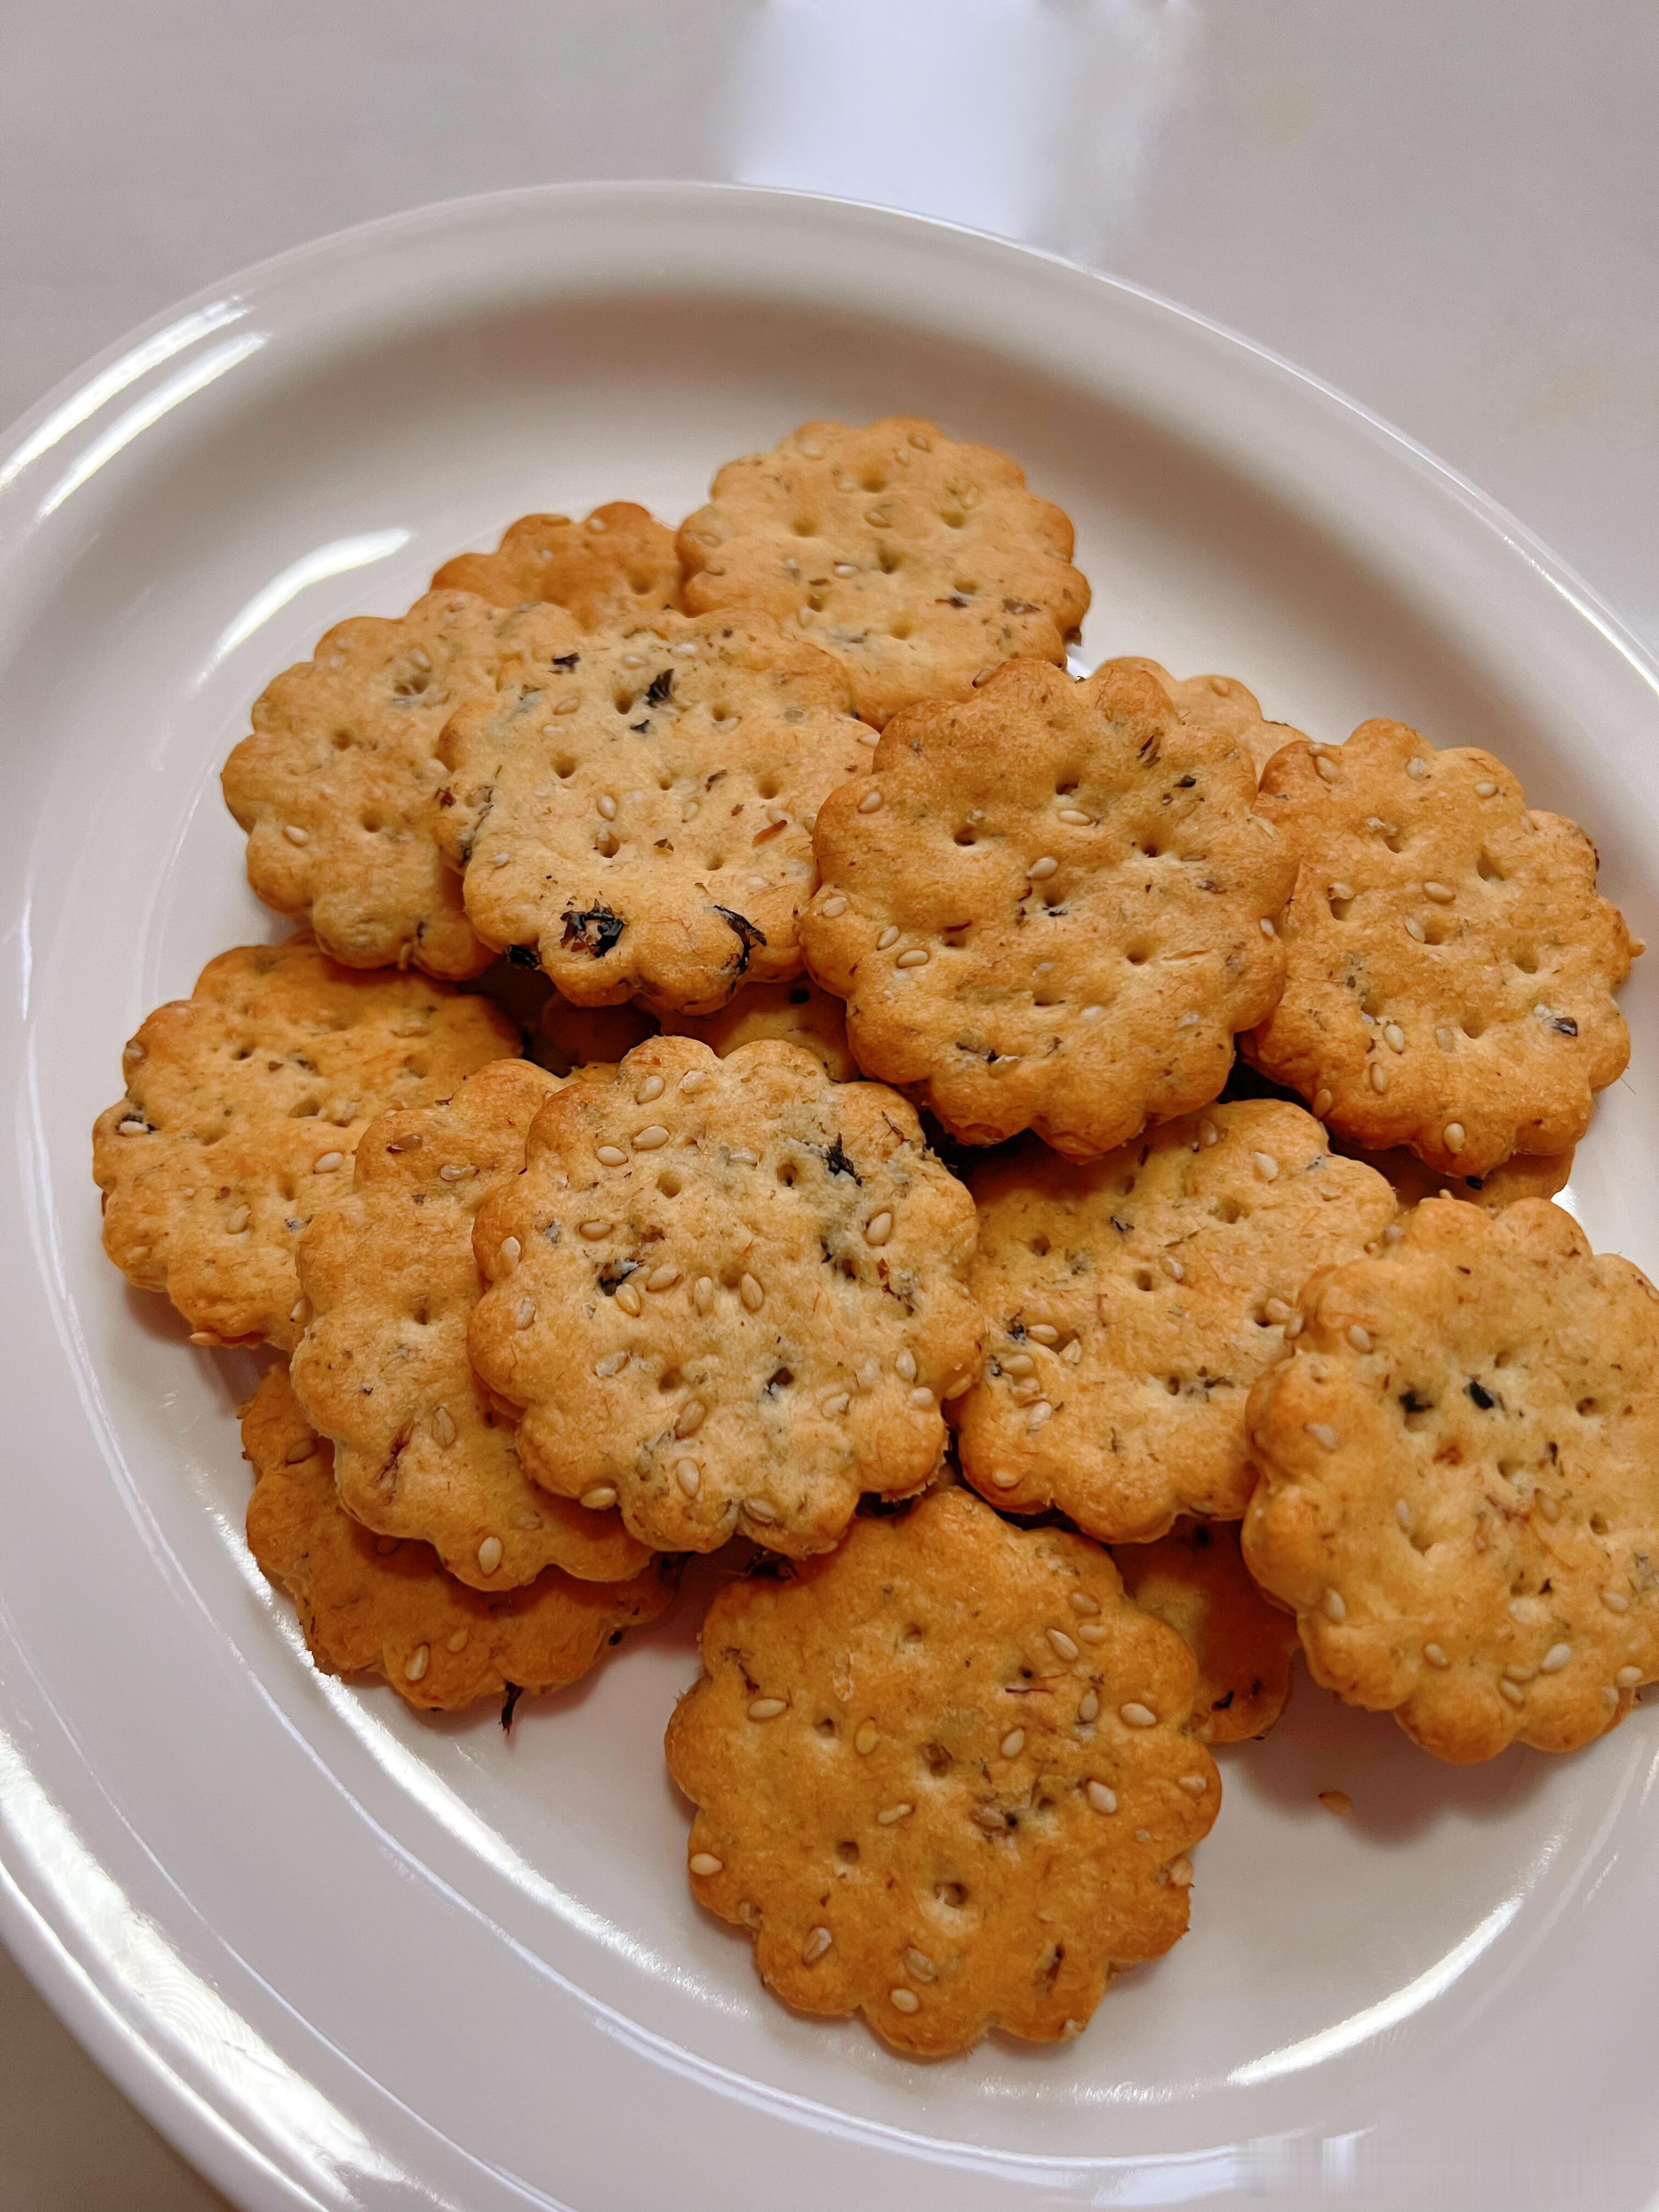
x=638, y=817
x=1131, y=1303
x=338, y=783
x=369, y=1604
x=1050, y=908
x=920, y=563
x=1221, y=702
x=382, y=1371
x=1195, y=1578
x=944, y=1777
x=1450, y=965
x=729, y=1295
x=244, y=1104
x=619, y=566
x=1459, y=1493
x=797, y=1013
x=1523, y=1175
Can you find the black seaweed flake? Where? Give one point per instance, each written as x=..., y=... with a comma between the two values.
x=660, y=689
x=509, y=1703
x=566, y=660
x=1565, y=1024
x=1412, y=1404
x=839, y=1162
x=611, y=1278
x=1482, y=1396
x=747, y=935
x=595, y=928
x=523, y=956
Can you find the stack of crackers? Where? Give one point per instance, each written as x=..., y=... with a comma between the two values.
x=877, y=1197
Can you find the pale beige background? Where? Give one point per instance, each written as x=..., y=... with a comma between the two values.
x=1448, y=209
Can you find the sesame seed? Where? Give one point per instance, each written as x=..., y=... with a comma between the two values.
x=132, y=1128
x=1013, y=1743
x=702, y=1293
x=1038, y=1414
x=1454, y=1134
x=1043, y=1332
x=1091, y=1632
x=325, y=1163
x=690, y=1419
x=489, y=1554
x=1209, y=1133
x=890, y=936
x=1485, y=789
x=1322, y=1433
x=663, y=1278
x=767, y=1709
x=1076, y=817
x=1443, y=894
x=758, y=1509
x=871, y=738
x=1181, y=1873
x=1081, y=1603
x=1266, y=1166
x=920, y=1965
x=815, y=1945
x=1402, y=1514
x=1555, y=1659
x=1267, y=928
x=296, y=834
x=742, y=1157
x=416, y=1663
x=1277, y=1310
x=456, y=1641
x=1547, y=1506
x=705, y=1863
x=607, y=805
x=443, y=1425
x=693, y=1079
x=1393, y=1233
x=452, y=1172
x=1016, y=1363
x=1435, y=1656
x=1102, y=1799
x=870, y=802
x=833, y=909
x=1062, y=1644
x=1335, y=1607
x=1004, y=1478
x=1090, y=1013
x=1396, y=1036
x=751, y=1294
x=835, y=1404
x=1088, y=1705
x=594, y=1228
x=630, y=1301
x=905, y=2000
x=1048, y=865
x=988, y=1818
x=237, y=1220
x=689, y=1475
x=1195, y=1784
x=651, y=1140
x=1615, y=1601
x=878, y=1228
x=511, y=1251
x=869, y=1374
x=890, y=1815
x=1323, y=1103
x=1414, y=928
x=906, y=1365
x=1341, y=891
x=917, y=957
x=1136, y=1715
x=612, y=1364
x=1379, y=1076
x=866, y=1739
x=296, y=1452
x=1512, y=1691
x=1417, y=766
x=1359, y=1338
x=525, y=1312
x=611, y=1156
x=1628, y=1677
x=600, y=1498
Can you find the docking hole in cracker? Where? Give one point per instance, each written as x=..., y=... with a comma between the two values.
x=1460, y=1481
x=920, y=563
x=1131, y=1302
x=944, y=1777
x=243, y=1108
x=1050, y=908
x=370, y=1605
x=729, y=1296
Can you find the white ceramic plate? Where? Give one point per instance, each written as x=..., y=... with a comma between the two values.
x=346, y=1957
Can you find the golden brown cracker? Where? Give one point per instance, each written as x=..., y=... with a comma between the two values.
x=920, y=563
x=338, y=783
x=244, y=1104
x=1459, y=1491
x=796, y=1012
x=617, y=565
x=1450, y=967
x=1195, y=1578
x=944, y=1777
x=370, y=1605
x=640, y=821
x=1050, y=908
x=729, y=1295
x=573, y=1037
x=1131, y=1303
x=1523, y=1175
x=382, y=1368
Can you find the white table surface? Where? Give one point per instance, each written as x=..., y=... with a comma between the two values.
x=1449, y=207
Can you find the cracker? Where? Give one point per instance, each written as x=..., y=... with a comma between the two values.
x=797, y=1013
x=1222, y=703
x=367, y=1605
x=944, y=1777
x=1524, y=1175
x=640, y=819
x=918, y=563
x=244, y=1104
x=1050, y=908
x=337, y=785
x=1459, y=1491
x=382, y=1369
x=728, y=1295
x=1195, y=1578
x=618, y=565
x=1131, y=1303
x=1450, y=966
x=571, y=1036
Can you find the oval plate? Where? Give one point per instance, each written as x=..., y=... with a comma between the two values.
x=345, y=1957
